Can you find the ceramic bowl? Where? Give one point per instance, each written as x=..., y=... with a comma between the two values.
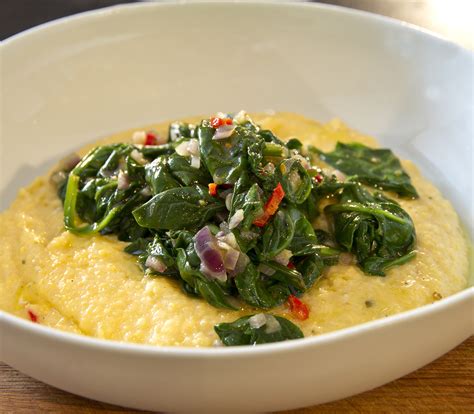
x=68, y=82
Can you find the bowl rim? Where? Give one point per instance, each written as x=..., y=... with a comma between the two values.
x=84, y=341
x=333, y=8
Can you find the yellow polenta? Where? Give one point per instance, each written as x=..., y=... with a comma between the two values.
x=88, y=285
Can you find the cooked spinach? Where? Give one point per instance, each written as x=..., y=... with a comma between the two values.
x=373, y=227
x=233, y=221
x=178, y=208
x=241, y=331
x=373, y=166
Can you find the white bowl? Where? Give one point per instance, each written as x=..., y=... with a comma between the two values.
x=79, y=78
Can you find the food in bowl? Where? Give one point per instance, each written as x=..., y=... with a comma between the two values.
x=231, y=230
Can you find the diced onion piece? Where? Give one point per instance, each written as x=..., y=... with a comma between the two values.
x=146, y=191
x=230, y=239
x=193, y=146
x=190, y=148
x=266, y=270
x=182, y=149
x=195, y=161
x=217, y=342
x=346, y=258
x=154, y=263
x=123, y=181
x=228, y=201
x=224, y=131
x=138, y=157
x=269, y=168
x=304, y=162
x=242, y=263
x=257, y=321
x=231, y=258
x=139, y=137
x=272, y=324
x=236, y=219
x=223, y=245
x=212, y=263
x=283, y=257
x=241, y=117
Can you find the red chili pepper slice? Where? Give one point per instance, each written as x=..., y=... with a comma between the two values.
x=318, y=178
x=212, y=189
x=216, y=122
x=271, y=206
x=298, y=308
x=150, y=138
x=262, y=220
x=290, y=265
x=33, y=316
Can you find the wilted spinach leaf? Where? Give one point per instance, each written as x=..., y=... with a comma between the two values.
x=371, y=166
x=178, y=208
x=376, y=229
x=241, y=332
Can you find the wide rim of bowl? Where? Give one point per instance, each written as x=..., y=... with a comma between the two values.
x=130, y=7
x=239, y=351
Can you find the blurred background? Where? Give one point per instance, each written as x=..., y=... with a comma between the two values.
x=453, y=19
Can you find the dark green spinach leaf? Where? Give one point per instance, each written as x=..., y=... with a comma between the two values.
x=241, y=331
x=179, y=208
x=373, y=166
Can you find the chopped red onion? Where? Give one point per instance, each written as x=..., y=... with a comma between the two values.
x=190, y=148
x=269, y=168
x=193, y=146
x=304, y=162
x=123, y=181
x=266, y=270
x=212, y=263
x=224, y=131
x=231, y=258
x=257, y=321
x=236, y=219
x=146, y=191
x=241, y=117
x=283, y=257
x=272, y=324
x=346, y=258
x=138, y=157
x=195, y=161
x=230, y=239
x=154, y=263
x=182, y=149
x=240, y=266
x=228, y=201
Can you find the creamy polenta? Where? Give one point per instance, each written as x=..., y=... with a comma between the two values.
x=89, y=285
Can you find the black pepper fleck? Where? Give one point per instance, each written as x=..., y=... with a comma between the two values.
x=369, y=303
x=23, y=261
